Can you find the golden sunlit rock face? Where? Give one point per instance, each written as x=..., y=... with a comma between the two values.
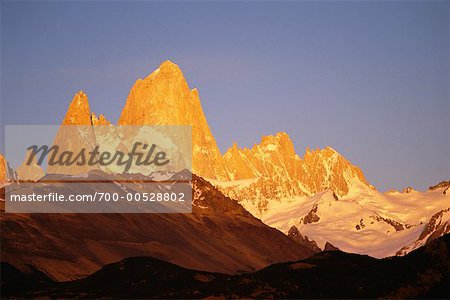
x=164, y=98
x=2, y=168
x=99, y=121
x=326, y=168
x=278, y=172
x=275, y=160
x=79, y=112
x=269, y=170
x=76, y=139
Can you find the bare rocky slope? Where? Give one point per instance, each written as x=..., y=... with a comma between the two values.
x=218, y=236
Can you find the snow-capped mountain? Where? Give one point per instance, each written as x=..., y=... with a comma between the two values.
x=271, y=174
x=367, y=222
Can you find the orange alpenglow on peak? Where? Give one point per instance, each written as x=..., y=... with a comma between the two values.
x=2, y=168
x=279, y=142
x=168, y=66
x=164, y=98
x=79, y=112
x=100, y=120
x=279, y=172
x=168, y=71
x=263, y=159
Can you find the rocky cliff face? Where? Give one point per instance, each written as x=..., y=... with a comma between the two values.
x=270, y=170
x=77, y=138
x=79, y=112
x=164, y=98
x=295, y=235
x=443, y=184
x=437, y=226
x=2, y=168
x=274, y=159
x=327, y=169
x=279, y=173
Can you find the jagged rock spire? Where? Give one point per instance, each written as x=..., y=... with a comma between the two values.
x=2, y=168
x=164, y=98
x=79, y=112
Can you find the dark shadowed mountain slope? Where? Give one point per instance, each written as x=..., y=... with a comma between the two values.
x=218, y=236
x=423, y=273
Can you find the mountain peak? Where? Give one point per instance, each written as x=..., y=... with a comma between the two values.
x=2, y=168
x=168, y=65
x=100, y=120
x=280, y=141
x=331, y=150
x=166, y=70
x=164, y=98
x=408, y=190
x=278, y=136
x=81, y=94
x=79, y=112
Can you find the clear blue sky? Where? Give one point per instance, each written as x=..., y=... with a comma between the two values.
x=370, y=79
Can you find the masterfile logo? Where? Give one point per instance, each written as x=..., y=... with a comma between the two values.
x=86, y=169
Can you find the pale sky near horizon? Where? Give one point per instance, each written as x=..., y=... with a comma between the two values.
x=370, y=79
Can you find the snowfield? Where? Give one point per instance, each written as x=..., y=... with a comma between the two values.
x=365, y=221
x=368, y=222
